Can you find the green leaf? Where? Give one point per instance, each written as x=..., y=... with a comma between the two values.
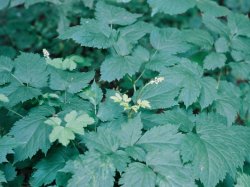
x=6, y=66
x=243, y=180
x=104, y=141
x=9, y=171
x=114, y=15
x=227, y=103
x=169, y=40
x=208, y=92
x=239, y=24
x=93, y=94
x=138, y=174
x=33, y=134
x=212, y=8
x=31, y=70
x=2, y=178
x=214, y=60
x=169, y=168
x=161, y=60
x=215, y=151
x=47, y=168
x=7, y=144
x=215, y=25
x=91, y=169
x=90, y=33
x=198, y=37
x=171, y=7
x=121, y=65
x=109, y=110
x=131, y=131
x=221, y=45
x=68, y=81
x=155, y=92
x=186, y=75
x=161, y=137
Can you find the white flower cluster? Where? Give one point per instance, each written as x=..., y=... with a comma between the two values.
x=124, y=101
x=46, y=53
x=156, y=80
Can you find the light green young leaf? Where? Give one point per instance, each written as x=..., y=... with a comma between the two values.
x=109, y=14
x=7, y=144
x=214, y=60
x=62, y=134
x=138, y=174
x=171, y=7
x=215, y=151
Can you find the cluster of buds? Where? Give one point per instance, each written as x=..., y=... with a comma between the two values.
x=156, y=80
x=124, y=101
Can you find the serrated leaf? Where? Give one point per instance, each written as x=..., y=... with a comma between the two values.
x=186, y=75
x=68, y=81
x=212, y=8
x=215, y=151
x=114, y=15
x=7, y=144
x=215, y=25
x=198, y=37
x=6, y=66
x=93, y=94
x=47, y=168
x=239, y=24
x=9, y=171
x=90, y=33
x=31, y=70
x=208, y=92
x=32, y=134
x=221, y=45
x=138, y=174
x=168, y=166
x=104, y=141
x=171, y=7
x=168, y=40
x=131, y=131
x=161, y=137
x=120, y=66
x=214, y=60
x=243, y=180
x=91, y=169
x=155, y=92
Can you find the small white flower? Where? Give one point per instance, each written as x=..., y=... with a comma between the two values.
x=117, y=98
x=125, y=98
x=156, y=80
x=143, y=103
x=46, y=53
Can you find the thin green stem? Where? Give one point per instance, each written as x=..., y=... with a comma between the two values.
x=20, y=115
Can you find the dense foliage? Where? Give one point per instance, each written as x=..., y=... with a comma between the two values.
x=132, y=93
